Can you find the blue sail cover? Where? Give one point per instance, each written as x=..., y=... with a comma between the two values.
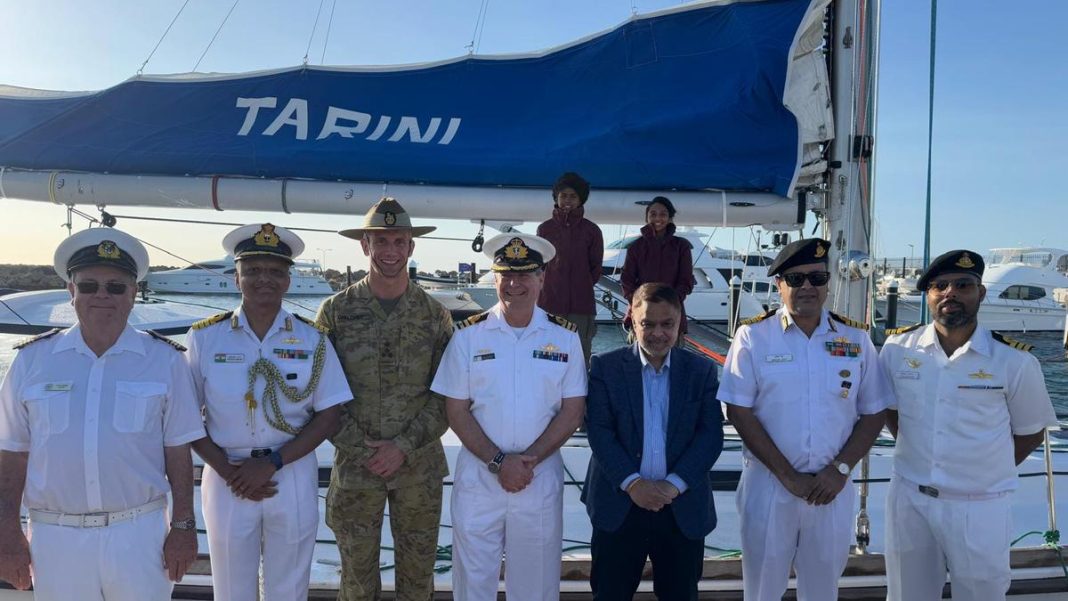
x=686, y=99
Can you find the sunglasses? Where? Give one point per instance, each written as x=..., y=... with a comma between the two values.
x=959, y=284
x=816, y=278
x=113, y=288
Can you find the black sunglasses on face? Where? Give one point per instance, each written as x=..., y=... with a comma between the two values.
x=816, y=278
x=959, y=284
x=113, y=288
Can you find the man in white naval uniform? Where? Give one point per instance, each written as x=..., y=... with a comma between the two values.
x=95, y=426
x=971, y=405
x=804, y=390
x=514, y=379
x=271, y=386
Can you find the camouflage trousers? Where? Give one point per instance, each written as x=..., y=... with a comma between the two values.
x=356, y=516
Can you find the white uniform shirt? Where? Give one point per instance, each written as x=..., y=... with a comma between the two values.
x=515, y=385
x=807, y=392
x=95, y=427
x=221, y=355
x=957, y=415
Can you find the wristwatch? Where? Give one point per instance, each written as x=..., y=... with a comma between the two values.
x=494, y=466
x=842, y=467
x=186, y=524
x=276, y=460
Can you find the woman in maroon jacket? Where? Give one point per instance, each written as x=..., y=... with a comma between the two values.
x=659, y=256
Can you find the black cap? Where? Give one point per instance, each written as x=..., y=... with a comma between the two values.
x=105, y=253
x=800, y=252
x=954, y=261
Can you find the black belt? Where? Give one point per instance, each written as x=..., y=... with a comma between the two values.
x=930, y=491
x=267, y=453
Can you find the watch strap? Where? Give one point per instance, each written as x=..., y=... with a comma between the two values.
x=276, y=460
x=186, y=524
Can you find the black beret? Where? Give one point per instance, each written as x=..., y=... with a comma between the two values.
x=800, y=252
x=954, y=261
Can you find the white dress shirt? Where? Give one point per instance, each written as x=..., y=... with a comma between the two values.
x=957, y=415
x=95, y=427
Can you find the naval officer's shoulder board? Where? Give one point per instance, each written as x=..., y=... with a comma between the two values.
x=210, y=321
x=563, y=323
x=322, y=329
x=902, y=329
x=174, y=344
x=470, y=321
x=28, y=341
x=1016, y=344
x=849, y=322
x=757, y=318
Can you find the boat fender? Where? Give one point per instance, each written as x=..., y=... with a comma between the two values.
x=563, y=323
x=902, y=329
x=470, y=321
x=1016, y=344
x=28, y=341
x=178, y=347
x=757, y=318
x=850, y=322
x=214, y=319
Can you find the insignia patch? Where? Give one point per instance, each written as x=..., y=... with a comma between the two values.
x=107, y=250
x=844, y=373
x=981, y=375
x=550, y=356
x=322, y=329
x=291, y=340
x=174, y=343
x=214, y=319
x=58, y=386
x=550, y=348
x=516, y=249
x=291, y=353
x=229, y=358
x=756, y=318
x=820, y=251
x=266, y=236
x=390, y=218
x=965, y=261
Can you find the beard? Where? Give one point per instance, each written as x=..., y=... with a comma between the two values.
x=962, y=317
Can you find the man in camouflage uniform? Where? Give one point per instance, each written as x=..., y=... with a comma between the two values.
x=390, y=336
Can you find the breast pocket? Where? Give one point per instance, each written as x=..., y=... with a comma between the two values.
x=139, y=406
x=48, y=406
x=780, y=383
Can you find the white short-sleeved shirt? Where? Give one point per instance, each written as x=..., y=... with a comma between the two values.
x=515, y=385
x=95, y=427
x=221, y=355
x=957, y=415
x=807, y=392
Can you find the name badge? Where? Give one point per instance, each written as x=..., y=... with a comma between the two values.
x=229, y=358
x=484, y=357
x=291, y=353
x=779, y=358
x=58, y=387
x=980, y=387
x=907, y=375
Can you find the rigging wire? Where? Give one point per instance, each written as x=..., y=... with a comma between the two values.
x=165, y=32
x=930, y=144
x=476, y=35
x=225, y=19
x=311, y=37
x=329, y=24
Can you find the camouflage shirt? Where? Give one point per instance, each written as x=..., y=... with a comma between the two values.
x=389, y=361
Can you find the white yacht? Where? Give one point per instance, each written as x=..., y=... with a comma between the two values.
x=217, y=277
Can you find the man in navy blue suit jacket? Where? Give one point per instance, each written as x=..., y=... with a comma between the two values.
x=655, y=429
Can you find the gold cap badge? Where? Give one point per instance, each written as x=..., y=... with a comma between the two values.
x=965, y=261
x=266, y=236
x=820, y=251
x=107, y=250
x=516, y=249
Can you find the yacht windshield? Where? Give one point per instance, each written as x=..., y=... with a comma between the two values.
x=1032, y=258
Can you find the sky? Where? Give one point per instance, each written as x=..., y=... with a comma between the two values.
x=1001, y=85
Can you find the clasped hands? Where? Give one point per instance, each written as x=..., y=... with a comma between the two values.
x=816, y=489
x=652, y=495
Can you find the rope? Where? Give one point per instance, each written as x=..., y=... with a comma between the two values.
x=329, y=24
x=226, y=18
x=150, y=54
x=312, y=36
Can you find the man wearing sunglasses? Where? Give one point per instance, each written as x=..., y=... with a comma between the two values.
x=804, y=390
x=970, y=405
x=271, y=386
x=95, y=426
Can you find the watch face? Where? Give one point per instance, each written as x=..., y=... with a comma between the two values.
x=843, y=469
x=494, y=468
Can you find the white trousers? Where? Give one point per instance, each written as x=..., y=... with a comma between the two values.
x=527, y=527
x=281, y=529
x=925, y=535
x=780, y=531
x=121, y=562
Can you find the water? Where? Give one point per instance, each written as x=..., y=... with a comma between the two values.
x=1047, y=345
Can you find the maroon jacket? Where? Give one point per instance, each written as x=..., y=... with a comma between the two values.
x=667, y=260
x=569, y=278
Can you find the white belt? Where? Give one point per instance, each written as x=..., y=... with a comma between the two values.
x=936, y=493
x=95, y=520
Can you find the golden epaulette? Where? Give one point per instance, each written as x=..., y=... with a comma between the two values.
x=163, y=338
x=470, y=321
x=757, y=318
x=1016, y=344
x=902, y=329
x=317, y=326
x=563, y=323
x=27, y=342
x=214, y=319
x=849, y=322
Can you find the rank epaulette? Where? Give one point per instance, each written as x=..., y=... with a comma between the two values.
x=850, y=322
x=902, y=329
x=470, y=321
x=757, y=318
x=1016, y=344
x=316, y=325
x=563, y=323
x=162, y=338
x=28, y=341
x=214, y=319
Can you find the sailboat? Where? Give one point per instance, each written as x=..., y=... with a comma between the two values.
x=726, y=103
